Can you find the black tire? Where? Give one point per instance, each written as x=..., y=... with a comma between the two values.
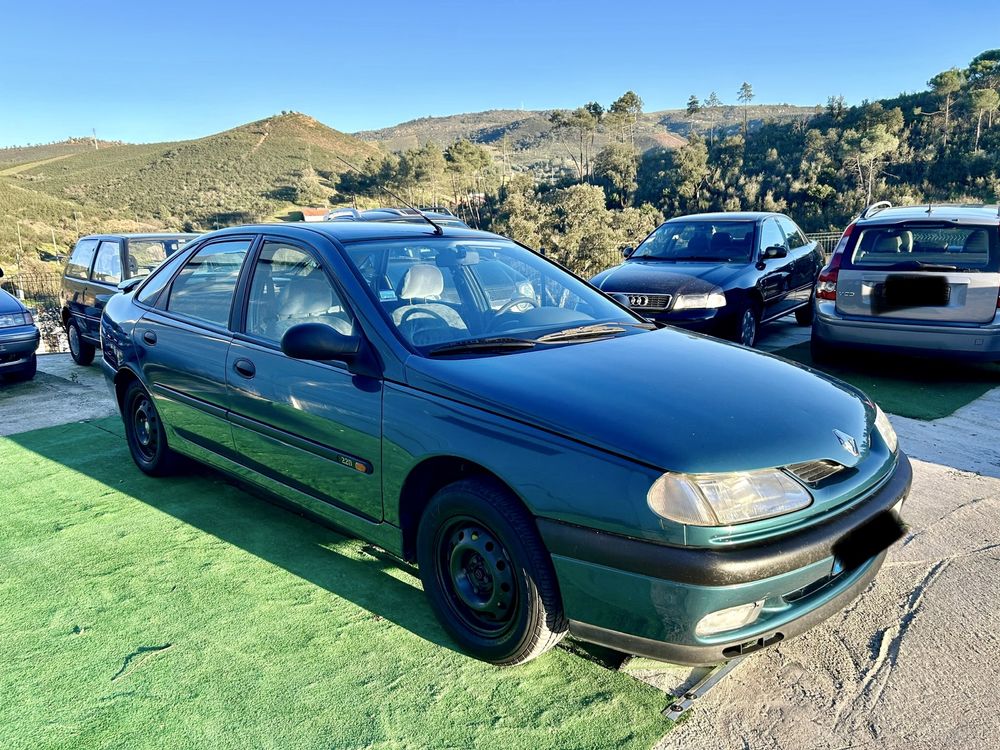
x=27, y=372
x=487, y=573
x=81, y=350
x=147, y=440
x=804, y=315
x=821, y=352
x=747, y=325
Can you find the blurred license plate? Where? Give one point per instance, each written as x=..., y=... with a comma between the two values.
x=914, y=291
x=868, y=540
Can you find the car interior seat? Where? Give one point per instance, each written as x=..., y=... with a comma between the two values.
x=698, y=244
x=977, y=242
x=308, y=299
x=423, y=319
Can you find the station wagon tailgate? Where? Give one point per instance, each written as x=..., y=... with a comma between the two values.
x=922, y=271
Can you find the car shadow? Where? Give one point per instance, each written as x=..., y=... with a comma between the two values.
x=228, y=510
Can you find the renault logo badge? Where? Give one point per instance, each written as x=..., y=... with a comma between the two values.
x=848, y=443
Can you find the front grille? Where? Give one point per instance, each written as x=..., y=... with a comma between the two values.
x=814, y=472
x=641, y=301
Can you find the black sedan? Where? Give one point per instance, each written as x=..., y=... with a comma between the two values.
x=19, y=338
x=724, y=274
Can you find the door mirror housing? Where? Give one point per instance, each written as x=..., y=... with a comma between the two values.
x=322, y=343
x=775, y=251
x=129, y=284
x=627, y=251
x=318, y=341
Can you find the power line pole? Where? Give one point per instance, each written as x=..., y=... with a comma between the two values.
x=20, y=246
x=94, y=131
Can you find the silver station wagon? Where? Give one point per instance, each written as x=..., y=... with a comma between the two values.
x=916, y=280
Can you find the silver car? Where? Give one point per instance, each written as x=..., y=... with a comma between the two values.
x=914, y=280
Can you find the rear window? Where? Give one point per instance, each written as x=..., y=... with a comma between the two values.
x=922, y=245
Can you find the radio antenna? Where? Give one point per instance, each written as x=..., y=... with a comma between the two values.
x=437, y=227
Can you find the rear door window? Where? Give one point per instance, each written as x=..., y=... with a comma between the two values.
x=925, y=246
x=204, y=288
x=79, y=262
x=108, y=266
x=792, y=233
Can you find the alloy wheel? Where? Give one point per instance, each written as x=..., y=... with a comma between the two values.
x=748, y=328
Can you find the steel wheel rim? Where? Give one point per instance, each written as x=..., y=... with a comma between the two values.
x=748, y=329
x=477, y=575
x=145, y=428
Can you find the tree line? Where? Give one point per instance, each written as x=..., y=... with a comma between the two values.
x=940, y=144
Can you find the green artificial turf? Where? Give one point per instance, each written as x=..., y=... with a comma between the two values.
x=185, y=613
x=921, y=389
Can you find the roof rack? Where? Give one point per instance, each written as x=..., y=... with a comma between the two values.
x=874, y=208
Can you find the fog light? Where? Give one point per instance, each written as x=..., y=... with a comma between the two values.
x=729, y=619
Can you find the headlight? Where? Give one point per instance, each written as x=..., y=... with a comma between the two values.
x=724, y=499
x=700, y=301
x=885, y=429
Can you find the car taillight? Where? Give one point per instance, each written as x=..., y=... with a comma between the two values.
x=826, y=285
x=29, y=319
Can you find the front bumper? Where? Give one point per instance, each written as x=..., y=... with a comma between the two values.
x=647, y=598
x=718, y=322
x=971, y=342
x=17, y=345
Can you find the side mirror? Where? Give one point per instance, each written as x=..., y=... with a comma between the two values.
x=317, y=341
x=129, y=284
x=627, y=251
x=775, y=251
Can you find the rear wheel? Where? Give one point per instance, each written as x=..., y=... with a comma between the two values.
x=147, y=440
x=487, y=573
x=821, y=352
x=804, y=315
x=81, y=350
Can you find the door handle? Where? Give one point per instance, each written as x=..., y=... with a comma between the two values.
x=245, y=368
x=149, y=337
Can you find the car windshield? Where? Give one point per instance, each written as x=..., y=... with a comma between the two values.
x=440, y=291
x=699, y=241
x=936, y=246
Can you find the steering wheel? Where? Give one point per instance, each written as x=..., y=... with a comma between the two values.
x=506, y=307
x=414, y=310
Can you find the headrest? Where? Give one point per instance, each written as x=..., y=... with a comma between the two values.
x=977, y=242
x=887, y=243
x=420, y=282
x=303, y=297
x=721, y=241
x=698, y=243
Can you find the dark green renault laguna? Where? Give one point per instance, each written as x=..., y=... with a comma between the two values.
x=551, y=461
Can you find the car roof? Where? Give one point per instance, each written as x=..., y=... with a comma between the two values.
x=983, y=214
x=141, y=236
x=352, y=231
x=727, y=216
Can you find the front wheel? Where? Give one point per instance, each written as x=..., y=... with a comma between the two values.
x=747, y=323
x=81, y=350
x=487, y=573
x=147, y=440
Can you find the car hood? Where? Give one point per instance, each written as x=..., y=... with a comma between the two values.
x=664, y=277
x=668, y=398
x=9, y=304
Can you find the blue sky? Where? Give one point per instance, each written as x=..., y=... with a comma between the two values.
x=144, y=71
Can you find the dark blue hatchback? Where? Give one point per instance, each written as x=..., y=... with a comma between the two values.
x=19, y=338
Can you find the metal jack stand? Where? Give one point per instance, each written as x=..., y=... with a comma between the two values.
x=681, y=704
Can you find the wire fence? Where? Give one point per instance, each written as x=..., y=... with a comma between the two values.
x=41, y=293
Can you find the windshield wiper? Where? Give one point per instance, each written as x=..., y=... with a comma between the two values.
x=699, y=257
x=493, y=343
x=585, y=332
x=924, y=266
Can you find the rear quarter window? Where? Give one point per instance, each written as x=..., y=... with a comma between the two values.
x=966, y=247
x=79, y=262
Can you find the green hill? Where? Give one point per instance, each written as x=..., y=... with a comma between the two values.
x=250, y=173
x=529, y=141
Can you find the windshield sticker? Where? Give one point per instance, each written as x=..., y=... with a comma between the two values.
x=387, y=295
